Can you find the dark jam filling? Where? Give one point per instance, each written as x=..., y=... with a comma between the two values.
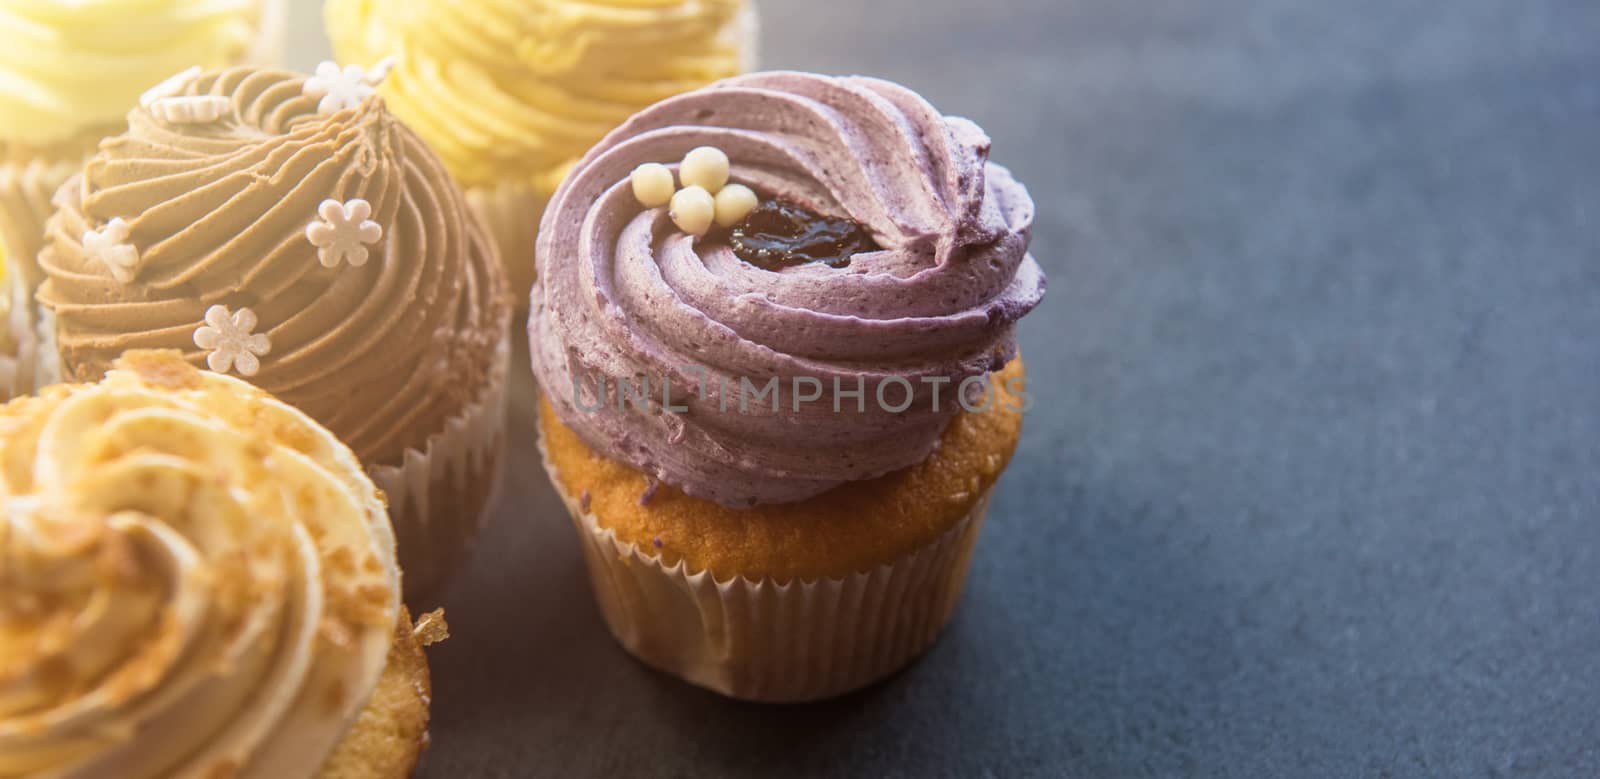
x=779, y=234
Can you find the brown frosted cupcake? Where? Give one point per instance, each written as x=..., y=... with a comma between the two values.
x=780, y=375
x=292, y=232
x=85, y=65
x=197, y=580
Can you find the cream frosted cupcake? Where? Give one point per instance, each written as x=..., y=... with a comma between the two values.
x=196, y=581
x=69, y=72
x=780, y=377
x=291, y=231
x=512, y=92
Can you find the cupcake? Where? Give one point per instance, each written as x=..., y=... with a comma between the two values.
x=196, y=580
x=512, y=94
x=292, y=232
x=774, y=329
x=69, y=72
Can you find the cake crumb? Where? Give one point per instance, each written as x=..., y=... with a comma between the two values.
x=431, y=628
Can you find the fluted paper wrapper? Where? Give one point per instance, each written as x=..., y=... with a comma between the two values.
x=440, y=496
x=769, y=642
x=26, y=188
x=16, y=363
x=511, y=213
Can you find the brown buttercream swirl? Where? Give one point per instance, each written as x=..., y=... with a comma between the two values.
x=382, y=354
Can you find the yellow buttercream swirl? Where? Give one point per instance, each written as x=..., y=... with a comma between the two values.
x=68, y=66
x=516, y=90
x=195, y=580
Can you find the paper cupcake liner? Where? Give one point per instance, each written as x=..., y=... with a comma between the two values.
x=510, y=213
x=17, y=341
x=769, y=642
x=440, y=497
x=30, y=361
x=26, y=189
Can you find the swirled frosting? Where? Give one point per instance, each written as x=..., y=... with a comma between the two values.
x=68, y=66
x=516, y=90
x=622, y=293
x=382, y=353
x=195, y=581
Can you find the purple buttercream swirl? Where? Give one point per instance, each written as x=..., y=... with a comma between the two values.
x=623, y=294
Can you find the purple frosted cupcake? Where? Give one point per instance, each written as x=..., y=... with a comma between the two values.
x=774, y=326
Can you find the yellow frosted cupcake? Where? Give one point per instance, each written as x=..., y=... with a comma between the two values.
x=291, y=231
x=512, y=92
x=774, y=326
x=69, y=72
x=196, y=580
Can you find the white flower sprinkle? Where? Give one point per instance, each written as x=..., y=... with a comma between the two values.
x=171, y=87
x=231, y=341
x=343, y=232
x=110, y=246
x=198, y=109
x=337, y=89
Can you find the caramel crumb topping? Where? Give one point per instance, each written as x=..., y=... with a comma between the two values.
x=337, y=694
x=71, y=537
x=362, y=605
x=119, y=561
x=150, y=662
x=431, y=628
x=336, y=633
x=165, y=369
x=341, y=561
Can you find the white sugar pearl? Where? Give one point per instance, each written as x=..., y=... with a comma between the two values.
x=734, y=203
x=693, y=210
x=705, y=167
x=652, y=184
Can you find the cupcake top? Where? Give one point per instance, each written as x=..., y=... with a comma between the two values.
x=289, y=230
x=69, y=66
x=885, y=254
x=195, y=580
x=514, y=91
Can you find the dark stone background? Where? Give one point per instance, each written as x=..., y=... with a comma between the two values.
x=1313, y=488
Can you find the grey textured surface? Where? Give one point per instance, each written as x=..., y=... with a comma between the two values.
x=1314, y=484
